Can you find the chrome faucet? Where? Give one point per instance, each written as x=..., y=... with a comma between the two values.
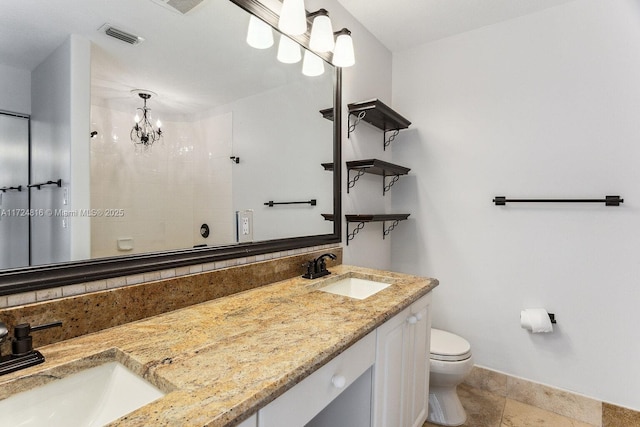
x=317, y=267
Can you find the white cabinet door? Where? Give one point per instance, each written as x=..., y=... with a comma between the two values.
x=401, y=374
x=389, y=371
x=418, y=375
x=250, y=422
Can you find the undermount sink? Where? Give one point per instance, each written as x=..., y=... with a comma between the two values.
x=92, y=397
x=354, y=287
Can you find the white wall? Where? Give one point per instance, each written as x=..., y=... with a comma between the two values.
x=60, y=94
x=15, y=87
x=546, y=105
x=369, y=78
x=282, y=162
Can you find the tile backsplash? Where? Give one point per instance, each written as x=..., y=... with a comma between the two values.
x=89, y=307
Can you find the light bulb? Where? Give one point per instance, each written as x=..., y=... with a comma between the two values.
x=321, y=34
x=158, y=124
x=259, y=34
x=343, y=55
x=136, y=118
x=293, y=18
x=312, y=65
x=288, y=51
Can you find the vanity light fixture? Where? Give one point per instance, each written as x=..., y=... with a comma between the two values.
x=143, y=132
x=288, y=50
x=259, y=34
x=312, y=64
x=343, y=55
x=293, y=18
x=321, y=39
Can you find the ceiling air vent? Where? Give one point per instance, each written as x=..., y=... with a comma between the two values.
x=180, y=6
x=121, y=35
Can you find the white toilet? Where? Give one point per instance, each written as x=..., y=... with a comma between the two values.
x=451, y=361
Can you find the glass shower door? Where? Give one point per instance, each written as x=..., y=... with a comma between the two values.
x=14, y=194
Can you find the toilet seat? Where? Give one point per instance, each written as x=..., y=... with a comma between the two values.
x=448, y=347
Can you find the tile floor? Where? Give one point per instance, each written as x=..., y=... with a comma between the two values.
x=486, y=409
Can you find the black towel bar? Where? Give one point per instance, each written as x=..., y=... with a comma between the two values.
x=271, y=203
x=608, y=200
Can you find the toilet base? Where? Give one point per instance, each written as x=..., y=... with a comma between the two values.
x=445, y=407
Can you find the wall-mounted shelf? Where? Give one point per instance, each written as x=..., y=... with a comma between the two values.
x=375, y=167
x=372, y=166
x=378, y=114
x=327, y=113
x=363, y=219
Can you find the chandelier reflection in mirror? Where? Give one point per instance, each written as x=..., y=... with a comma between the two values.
x=143, y=133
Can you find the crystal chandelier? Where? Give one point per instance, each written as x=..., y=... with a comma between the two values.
x=143, y=132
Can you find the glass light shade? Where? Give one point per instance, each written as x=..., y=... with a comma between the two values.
x=312, y=65
x=259, y=34
x=321, y=34
x=288, y=50
x=293, y=18
x=343, y=55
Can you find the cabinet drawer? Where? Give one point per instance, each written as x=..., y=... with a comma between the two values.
x=305, y=400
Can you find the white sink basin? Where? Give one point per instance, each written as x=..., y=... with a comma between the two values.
x=92, y=397
x=353, y=287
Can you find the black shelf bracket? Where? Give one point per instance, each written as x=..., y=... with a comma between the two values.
x=353, y=181
x=608, y=200
x=351, y=236
x=387, y=187
x=42, y=184
x=391, y=138
x=352, y=127
x=385, y=230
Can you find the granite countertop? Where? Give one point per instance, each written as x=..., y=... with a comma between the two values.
x=222, y=360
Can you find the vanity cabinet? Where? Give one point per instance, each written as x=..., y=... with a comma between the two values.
x=309, y=397
x=388, y=369
x=401, y=372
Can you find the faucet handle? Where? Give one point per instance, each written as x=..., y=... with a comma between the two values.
x=22, y=341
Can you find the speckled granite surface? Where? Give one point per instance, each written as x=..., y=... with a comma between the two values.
x=84, y=314
x=222, y=360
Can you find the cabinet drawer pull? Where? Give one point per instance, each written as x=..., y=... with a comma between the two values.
x=338, y=381
x=419, y=316
x=412, y=320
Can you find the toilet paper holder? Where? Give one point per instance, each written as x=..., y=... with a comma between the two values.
x=552, y=317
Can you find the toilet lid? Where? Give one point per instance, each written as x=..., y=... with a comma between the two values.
x=448, y=346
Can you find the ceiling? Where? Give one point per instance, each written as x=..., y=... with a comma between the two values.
x=185, y=57
x=192, y=61
x=402, y=24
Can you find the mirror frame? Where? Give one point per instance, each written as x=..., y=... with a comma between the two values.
x=28, y=279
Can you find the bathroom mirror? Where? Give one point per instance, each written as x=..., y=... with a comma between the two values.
x=276, y=157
